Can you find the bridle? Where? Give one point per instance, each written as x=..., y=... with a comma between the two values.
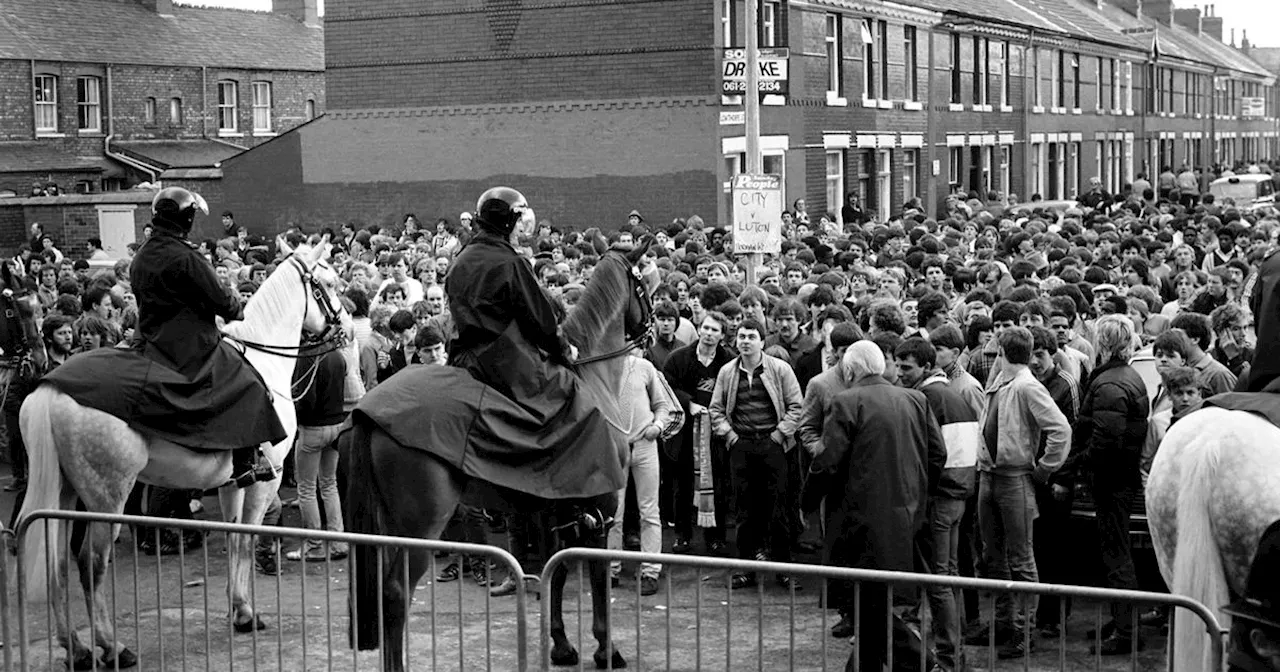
x=330, y=340
x=640, y=337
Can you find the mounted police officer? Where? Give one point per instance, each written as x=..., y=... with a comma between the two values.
x=179, y=298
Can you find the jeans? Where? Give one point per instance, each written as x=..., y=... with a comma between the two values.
x=1114, y=503
x=317, y=465
x=1054, y=554
x=469, y=525
x=1006, y=512
x=760, y=485
x=945, y=603
x=645, y=474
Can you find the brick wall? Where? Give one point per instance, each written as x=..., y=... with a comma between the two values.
x=15, y=100
x=452, y=52
x=71, y=221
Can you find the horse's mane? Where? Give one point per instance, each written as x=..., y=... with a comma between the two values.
x=268, y=305
x=599, y=305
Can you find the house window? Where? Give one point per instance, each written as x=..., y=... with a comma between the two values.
x=1060, y=79
x=1114, y=82
x=1073, y=170
x=955, y=158
x=262, y=106
x=835, y=179
x=869, y=88
x=833, y=56
x=865, y=167
x=311, y=109
x=910, y=174
x=910, y=56
x=149, y=111
x=883, y=38
x=955, y=69
x=1060, y=167
x=46, y=93
x=979, y=71
x=1006, y=162
x=769, y=24
x=1101, y=164
x=1075, y=81
x=1005, y=57
x=726, y=22
x=1128, y=87
x=1039, y=87
x=1037, y=179
x=175, y=110
x=1099, y=95
x=884, y=183
x=89, y=103
x=227, y=101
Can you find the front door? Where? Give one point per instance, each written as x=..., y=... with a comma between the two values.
x=116, y=229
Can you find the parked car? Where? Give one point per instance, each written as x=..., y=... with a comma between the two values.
x=1249, y=192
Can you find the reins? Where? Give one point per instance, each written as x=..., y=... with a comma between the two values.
x=333, y=340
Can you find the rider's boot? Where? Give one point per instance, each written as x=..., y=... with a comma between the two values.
x=249, y=466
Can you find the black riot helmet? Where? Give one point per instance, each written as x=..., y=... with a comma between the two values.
x=500, y=209
x=177, y=207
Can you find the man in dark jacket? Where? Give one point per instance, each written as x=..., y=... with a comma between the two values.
x=887, y=454
x=1265, y=304
x=1109, y=436
x=917, y=369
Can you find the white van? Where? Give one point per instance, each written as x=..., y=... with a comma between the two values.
x=1249, y=192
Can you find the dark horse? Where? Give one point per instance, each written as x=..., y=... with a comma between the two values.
x=412, y=490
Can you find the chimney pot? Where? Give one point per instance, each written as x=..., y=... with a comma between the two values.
x=304, y=11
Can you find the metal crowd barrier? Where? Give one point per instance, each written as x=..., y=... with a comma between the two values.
x=172, y=611
x=669, y=631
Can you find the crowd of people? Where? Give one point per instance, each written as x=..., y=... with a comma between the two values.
x=966, y=376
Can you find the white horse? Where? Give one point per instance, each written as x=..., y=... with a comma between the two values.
x=1213, y=489
x=80, y=453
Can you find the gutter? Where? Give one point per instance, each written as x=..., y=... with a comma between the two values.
x=111, y=133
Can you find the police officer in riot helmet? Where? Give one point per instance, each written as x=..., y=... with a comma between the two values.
x=179, y=298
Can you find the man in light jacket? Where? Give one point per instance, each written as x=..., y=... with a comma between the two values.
x=1019, y=412
x=756, y=406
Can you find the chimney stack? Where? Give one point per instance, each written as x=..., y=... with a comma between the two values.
x=161, y=7
x=1233, y=37
x=1244, y=41
x=1212, y=24
x=1133, y=7
x=1160, y=10
x=1188, y=18
x=304, y=11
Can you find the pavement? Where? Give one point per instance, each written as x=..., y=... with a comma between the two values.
x=172, y=611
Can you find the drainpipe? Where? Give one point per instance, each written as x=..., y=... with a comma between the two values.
x=930, y=126
x=111, y=130
x=204, y=101
x=34, y=111
x=1028, y=96
x=1213, y=122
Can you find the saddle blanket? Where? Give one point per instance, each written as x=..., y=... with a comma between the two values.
x=444, y=411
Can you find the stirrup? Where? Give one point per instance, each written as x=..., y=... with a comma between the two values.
x=259, y=473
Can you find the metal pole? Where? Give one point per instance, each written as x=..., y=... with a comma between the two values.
x=751, y=97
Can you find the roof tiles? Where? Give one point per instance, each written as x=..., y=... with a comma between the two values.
x=111, y=31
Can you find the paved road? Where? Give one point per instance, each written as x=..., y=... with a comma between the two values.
x=172, y=610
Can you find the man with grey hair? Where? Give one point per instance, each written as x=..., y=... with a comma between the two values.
x=885, y=453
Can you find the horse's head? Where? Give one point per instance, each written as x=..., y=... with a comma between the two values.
x=601, y=320
x=643, y=278
x=324, y=312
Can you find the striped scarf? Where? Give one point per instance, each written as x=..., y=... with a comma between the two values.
x=705, y=496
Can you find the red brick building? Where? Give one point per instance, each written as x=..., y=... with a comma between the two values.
x=594, y=109
x=100, y=95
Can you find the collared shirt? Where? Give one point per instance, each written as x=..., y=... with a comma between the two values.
x=1215, y=377
x=753, y=411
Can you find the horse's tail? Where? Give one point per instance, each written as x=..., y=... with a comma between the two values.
x=364, y=514
x=1197, y=571
x=44, y=491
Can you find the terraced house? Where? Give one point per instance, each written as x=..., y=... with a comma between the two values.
x=99, y=95
x=888, y=100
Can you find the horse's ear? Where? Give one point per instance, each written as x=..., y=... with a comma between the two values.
x=641, y=248
x=321, y=250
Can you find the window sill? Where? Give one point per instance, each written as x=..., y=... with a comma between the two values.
x=89, y=133
x=50, y=134
x=1037, y=109
x=913, y=106
x=983, y=108
x=834, y=100
x=1100, y=110
x=1006, y=108
x=1128, y=113
x=1059, y=110
x=1076, y=110
x=956, y=107
x=264, y=134
x=868, y=102
x=229, y=134
x=884, y=104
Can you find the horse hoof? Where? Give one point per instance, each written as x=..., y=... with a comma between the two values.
x=249, y=626
x=618, y=663
x=125, y=658
x=564, y=657
x=82, y=661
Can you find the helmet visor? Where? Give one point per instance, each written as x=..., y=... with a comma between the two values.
x=200, y=203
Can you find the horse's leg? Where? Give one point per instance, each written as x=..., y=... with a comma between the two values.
x=402, y=474
x=79, y=656
x=246, y=506
x=562, y=651
x=95, y=555
x=599, y=572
